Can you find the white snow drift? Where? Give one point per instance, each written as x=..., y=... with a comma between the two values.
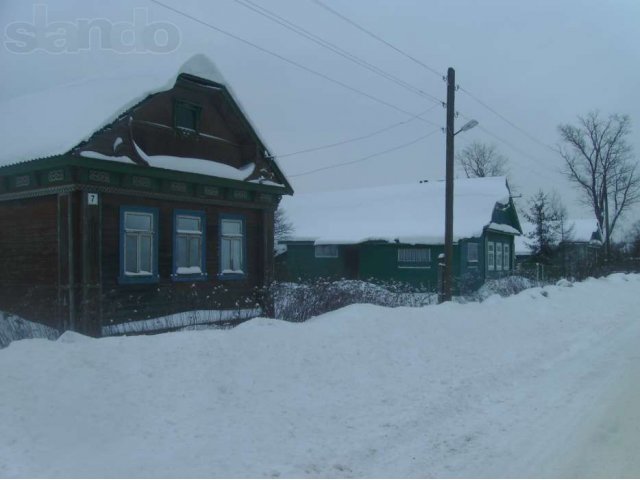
x=509, y=387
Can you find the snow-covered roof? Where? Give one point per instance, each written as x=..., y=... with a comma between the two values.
x=582, y=230
x=53, y=121
x=410, y=213
x=578, y=230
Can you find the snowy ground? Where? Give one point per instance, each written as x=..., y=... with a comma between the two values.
x=544, y=383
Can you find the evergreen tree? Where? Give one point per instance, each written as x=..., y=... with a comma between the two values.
x=543, y=213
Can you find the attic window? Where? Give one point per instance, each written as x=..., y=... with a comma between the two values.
x=186, y=116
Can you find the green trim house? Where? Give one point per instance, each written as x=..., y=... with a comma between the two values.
x=396, y=234
x=135, y=204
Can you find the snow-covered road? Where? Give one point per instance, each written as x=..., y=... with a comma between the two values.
x=608, y=443
x=544, y=383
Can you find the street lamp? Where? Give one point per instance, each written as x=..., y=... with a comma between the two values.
x=467, y=126
x=448, y=210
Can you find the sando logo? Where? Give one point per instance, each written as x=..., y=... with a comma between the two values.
x=84, y=34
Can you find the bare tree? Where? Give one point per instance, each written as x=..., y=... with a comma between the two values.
x=282, y=226
x=599, y=161
x=482, y=160
x=565, y=229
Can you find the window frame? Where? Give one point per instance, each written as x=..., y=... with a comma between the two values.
x=477, y=250
x=413, y=265
x=123, y=277
x=491, y=256
x=243, y=248
x=499, y=255
x=333, y=247
x=186, y=277
x=506, y=257
x=197, y=111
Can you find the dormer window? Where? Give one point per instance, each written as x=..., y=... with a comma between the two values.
x=186, y=116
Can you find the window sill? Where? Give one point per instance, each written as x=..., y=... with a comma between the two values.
x=428, y=267
x=232, y=276
x=137, y=279
x=189, y=277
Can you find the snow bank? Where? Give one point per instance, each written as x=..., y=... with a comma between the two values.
x=411, y=213
x=495, y=389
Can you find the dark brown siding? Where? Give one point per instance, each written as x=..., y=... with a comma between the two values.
x=222, y=136
x=136, y=302
x=29, y=259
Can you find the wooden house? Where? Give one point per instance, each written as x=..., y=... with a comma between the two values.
x=576, y=255
x=135, y=204
x=396, y=233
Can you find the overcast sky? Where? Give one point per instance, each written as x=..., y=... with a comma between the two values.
x=538, y=63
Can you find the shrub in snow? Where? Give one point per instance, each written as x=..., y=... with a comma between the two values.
x=298, y=302
x=503, y=286
x=563, y=282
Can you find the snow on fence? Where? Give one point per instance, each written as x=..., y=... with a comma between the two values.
x=14, y=328
x=182, y=320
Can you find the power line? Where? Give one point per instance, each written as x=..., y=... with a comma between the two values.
x=292, y=62
x=362, y=159
x=377, y=37
x=274, y=17
x=434, y=71
x=355, y=139
x=499, y=115
x=513, y=147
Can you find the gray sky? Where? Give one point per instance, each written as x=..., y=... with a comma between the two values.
x=538, y=63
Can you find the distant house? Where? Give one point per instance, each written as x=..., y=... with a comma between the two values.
x=396, y=233
x=574, y=256
x=127, y=201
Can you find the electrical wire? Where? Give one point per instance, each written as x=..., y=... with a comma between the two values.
x=367, y=157
x=293, y=62
x=505, y=119
x=377, y=37
x=513, y=147
x=355, y=139
x=434, y=71
x=274, y=17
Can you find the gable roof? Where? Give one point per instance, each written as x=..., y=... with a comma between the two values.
x=54, y=121
x=581, y=230
x=410, y=213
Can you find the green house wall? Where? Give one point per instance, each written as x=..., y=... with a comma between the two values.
x=378, y=262
x=300, y=263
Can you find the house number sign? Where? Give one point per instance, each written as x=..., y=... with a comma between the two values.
x=92, y=199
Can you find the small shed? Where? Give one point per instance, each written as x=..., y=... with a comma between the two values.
x=135, y=204
x=396, y=233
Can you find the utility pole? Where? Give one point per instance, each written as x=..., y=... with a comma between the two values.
x=607, y=244
x=448, y=222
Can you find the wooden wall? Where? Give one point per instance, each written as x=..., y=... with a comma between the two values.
x=130, y=302
x=29, y=259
